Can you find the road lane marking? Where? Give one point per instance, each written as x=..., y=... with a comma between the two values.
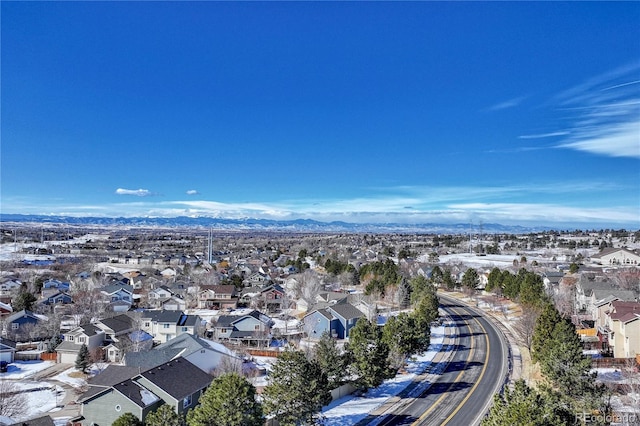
x=484, y=368
x=457, y=379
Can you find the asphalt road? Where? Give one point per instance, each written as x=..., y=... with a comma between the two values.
x=464, y=392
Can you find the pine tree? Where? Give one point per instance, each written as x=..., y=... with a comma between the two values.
x=127, y=419
x=523, y=406
x=83, y=359
x=331, y=360
x=543, y=333
x=401, y=335
x=370, y=354
x=163, y=416
x=297, y=389
x=230, y=400
x=470, y=280
x=424, y=313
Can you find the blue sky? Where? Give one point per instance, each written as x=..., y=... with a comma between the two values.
x=409, y=112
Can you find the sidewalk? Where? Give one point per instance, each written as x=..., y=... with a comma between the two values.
x=66, y=394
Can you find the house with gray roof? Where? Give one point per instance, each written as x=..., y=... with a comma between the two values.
x=252, y=329
x=72, y=341
x=165, y=325
x=204, y=354
x=177, y=383
x=337, y=319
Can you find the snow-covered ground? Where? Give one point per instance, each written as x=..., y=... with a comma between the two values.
x=350, y=409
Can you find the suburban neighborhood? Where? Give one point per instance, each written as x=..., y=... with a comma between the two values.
x=163, y=313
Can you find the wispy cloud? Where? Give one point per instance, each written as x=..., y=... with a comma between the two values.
x=543, y=135
x=136, y=192
x=510, y=103
x=604, y=114
x=192, y=192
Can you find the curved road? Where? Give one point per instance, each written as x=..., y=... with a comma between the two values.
x=463, y=394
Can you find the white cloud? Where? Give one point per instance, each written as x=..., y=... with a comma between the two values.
x=192, y=192
x=622, y=140
x=136, y=192
x=603, y=114
x=543, y=135
x=510, y=103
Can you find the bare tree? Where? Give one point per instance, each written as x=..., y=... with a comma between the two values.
x=228, y=364
x=630, y=389
x=309, y=285
x=627, y=279
x=13, y=402
x=526, y=324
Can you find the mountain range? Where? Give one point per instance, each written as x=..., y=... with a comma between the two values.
x=267, y=225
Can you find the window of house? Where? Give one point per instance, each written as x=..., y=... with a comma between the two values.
x=118, y=407
x=80, y=339
x=256, y=327
x=186, y=402
x=146, y=324
x=70, y=338
x=15, y=326
x=165, y=326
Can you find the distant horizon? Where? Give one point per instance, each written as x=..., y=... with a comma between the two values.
x=303, y=225
x=357, y=112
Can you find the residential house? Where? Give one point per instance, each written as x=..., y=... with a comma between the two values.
x=116, y=327
x=165, y=325
x=41, y=420
x=118, y=296
x=623, y=327
x=336, y=319
x=157, y=294
x=204, y=354
x=20, y=325
x=5, y=309
x=598, y=303
x=177, y=383
x=52, y=286
x=617, y=256
x=273, y=298
x=9, y=285
x=57, y=298
x=217, y=297
x=253, y=328
x=85, y=334
x=173, y=303
x=7, y=350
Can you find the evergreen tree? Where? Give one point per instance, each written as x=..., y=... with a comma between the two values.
x=401, y=335
x=163, y=416
x=369, y=353
x=230, y=400
x=524, y=406
x=331, y=360
x=419, y=285
x=127, y=419
x=297, y=389
x=494, y=280
x=470, y=279
x=24, y=300
x=543, y=332
x=531, y=289
x=83, y=360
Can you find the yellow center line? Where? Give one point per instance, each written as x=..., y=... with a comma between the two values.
x=484, y=368
x=444, y=394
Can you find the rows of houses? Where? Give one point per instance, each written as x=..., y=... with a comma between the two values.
x=609, y=316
